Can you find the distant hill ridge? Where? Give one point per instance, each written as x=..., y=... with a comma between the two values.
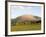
x=26, y=18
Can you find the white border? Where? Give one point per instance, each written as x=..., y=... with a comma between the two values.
x=24, y=32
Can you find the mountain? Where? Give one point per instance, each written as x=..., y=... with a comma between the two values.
x=26, y=18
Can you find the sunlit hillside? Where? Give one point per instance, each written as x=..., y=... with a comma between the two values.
x=26, y=22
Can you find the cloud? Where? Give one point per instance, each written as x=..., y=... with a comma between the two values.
x=20, y=7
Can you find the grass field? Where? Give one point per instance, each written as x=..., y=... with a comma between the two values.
x=26, y=27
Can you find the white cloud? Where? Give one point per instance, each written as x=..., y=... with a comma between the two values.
x=18, y=7
x=22, y=7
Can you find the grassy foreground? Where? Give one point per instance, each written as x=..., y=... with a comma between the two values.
x=26, y=27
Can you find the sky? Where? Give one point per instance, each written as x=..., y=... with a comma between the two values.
x=19, y=10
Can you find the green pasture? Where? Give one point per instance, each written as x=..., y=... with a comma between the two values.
x=25, y=27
